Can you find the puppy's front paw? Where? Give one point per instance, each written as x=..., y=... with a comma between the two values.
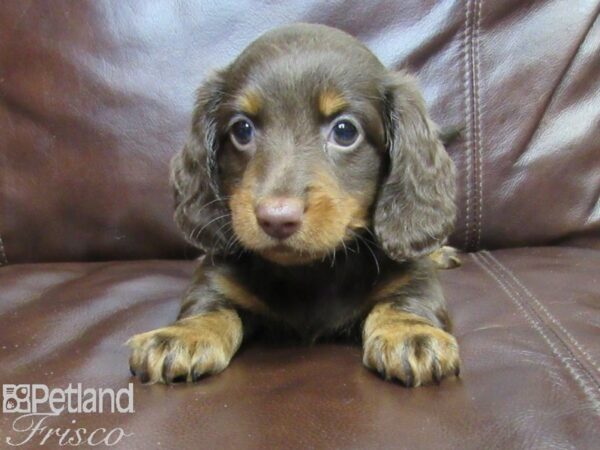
x=411, y=351
x=187, y=350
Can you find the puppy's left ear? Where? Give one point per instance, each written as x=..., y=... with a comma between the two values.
x=415, y=210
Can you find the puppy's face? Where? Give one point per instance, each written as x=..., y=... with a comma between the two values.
x=302, y=149
x=296, y=146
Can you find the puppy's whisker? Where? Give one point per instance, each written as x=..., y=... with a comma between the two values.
x=225, y=227
x=370, y=241
x=350, y=249
x=197, y=238
x=232, y=242
x=366, y=242
x=222, y=231
x=219, y=199
x=206, y=205
x=345, y=249
x=374, y=241
x=374, y=257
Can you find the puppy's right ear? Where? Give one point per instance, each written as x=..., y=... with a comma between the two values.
x=199, y=209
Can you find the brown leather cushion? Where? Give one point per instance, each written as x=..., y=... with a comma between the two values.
x=95, y=97
x=526, y=321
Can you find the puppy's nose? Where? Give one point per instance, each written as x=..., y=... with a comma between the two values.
x=280, y=217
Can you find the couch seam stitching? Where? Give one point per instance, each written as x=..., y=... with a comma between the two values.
x=477, y=124
x=545, y=311
x=3, y=258
x=467, y=84
x=537, y=315
x=589, y=391
x=578, y=365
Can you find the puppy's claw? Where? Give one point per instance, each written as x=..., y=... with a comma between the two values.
x=436, y=372
x=407, y=377
x=197, y=376
x=179, y=379
x=144, y=377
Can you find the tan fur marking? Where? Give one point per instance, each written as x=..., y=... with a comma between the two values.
x=446, y=257
x=236, y=293
x=393, y=339
x=330, y=215
x=288, y=258
x=243, y=218
x=251, y=103
x=387, y=289
x=331, y=102
x=202, y=344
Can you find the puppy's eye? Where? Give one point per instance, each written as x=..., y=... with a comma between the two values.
x=242, y=133
x=345, y=134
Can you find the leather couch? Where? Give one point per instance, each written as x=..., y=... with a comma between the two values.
x=95, y=97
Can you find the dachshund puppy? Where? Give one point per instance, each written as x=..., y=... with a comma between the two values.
x=317, y=186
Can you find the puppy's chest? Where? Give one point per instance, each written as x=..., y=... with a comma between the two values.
x=313, y=303
x=313, y=298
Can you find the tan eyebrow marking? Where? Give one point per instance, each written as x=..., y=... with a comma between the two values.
x=331, y=102
x=250, y=103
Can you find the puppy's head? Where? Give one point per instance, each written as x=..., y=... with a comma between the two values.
x=304, y=140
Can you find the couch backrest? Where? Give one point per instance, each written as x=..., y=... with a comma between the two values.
x=96, y=96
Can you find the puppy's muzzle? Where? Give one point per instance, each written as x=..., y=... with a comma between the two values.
x=280, y=217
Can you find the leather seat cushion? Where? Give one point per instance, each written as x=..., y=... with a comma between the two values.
x=526, y=320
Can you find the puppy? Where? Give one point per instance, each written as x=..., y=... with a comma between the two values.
x=317, y=186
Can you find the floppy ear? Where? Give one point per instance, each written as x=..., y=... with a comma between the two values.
x=200, y=212
x=415, y=210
